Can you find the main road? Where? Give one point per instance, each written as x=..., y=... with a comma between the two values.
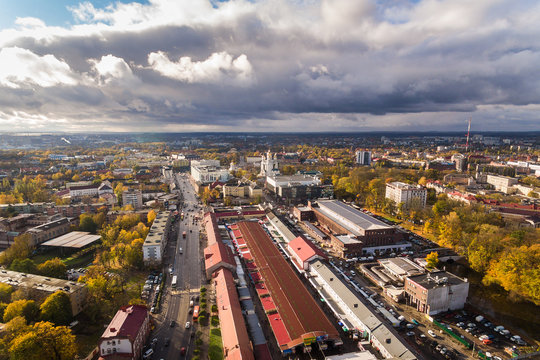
x=182, y=259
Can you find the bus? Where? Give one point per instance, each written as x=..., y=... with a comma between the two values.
x=174, y=281
x=195, y=313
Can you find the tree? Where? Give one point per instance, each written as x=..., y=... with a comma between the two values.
x=5, y=292
x=87, y=223
x=27, y=308
x=44, y=341
x=20, y=249
x=451, y=232
x=25, y=266
x=432, y=260
x=53, y=268
x=57, y=309
x=151, y=217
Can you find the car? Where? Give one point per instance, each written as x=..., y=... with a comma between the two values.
x=167, y=342
x=410, y=326
x=432, y=333
x=488, y=324
x=410, y=333
x=460, y=325
x=471, y=325
x=443, y=351
x=153, y=310
x=172, y=323
x=188, y=324
x=438, y=347
x=182, y=351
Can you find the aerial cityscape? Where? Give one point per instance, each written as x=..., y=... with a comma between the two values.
x=269, y=179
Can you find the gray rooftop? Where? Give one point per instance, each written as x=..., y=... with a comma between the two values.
x=351, y=218
x=38, y=282
x=378, y=329
x=74, y=239
x=346, y=294
x=435, y=279
x=155, y=235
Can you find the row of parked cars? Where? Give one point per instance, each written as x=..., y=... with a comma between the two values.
x=151, y=289
x=488, y=332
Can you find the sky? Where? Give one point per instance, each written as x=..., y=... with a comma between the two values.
x=269, y=65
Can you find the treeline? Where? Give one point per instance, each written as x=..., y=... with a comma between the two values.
x=502, y=253
x=120, y=254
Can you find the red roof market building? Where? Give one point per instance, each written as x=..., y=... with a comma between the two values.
x=303, y=251
x=216, y=254
x=293, y=314
x=126, y=334
x=234, y=335
x=220, y=267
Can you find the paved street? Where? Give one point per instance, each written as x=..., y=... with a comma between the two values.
x=186, y=265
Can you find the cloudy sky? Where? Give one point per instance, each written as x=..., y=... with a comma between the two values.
x=269, y=65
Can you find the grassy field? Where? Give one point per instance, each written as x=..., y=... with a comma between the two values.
x=71, y=260
x=215, y=345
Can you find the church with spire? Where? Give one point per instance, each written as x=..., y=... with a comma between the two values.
x=269, y=164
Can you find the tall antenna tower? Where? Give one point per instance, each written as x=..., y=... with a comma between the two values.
x=468, y=134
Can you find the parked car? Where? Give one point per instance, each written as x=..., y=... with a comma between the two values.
x=188, y=324
x=432, y=333
x=410, y=333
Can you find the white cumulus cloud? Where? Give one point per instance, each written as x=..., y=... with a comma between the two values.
x=219, y=66
x=20, y=66
x=110, y=67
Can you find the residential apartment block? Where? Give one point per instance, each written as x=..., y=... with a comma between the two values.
x=132, y=197
x=404, y=193
x=156, y=240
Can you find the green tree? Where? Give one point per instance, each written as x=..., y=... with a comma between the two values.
x=26, y=308
x=432, y=260
x=57, y=309
x=25, y=266
x=5, y=292
x=53, y=268
x=87, y=223
x=20, y=249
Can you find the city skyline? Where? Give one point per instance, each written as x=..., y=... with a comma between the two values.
x=277, y=66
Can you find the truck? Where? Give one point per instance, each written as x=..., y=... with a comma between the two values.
x=184, y=234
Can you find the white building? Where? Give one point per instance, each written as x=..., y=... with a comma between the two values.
x=436, y=292
x=269, y=164
x=86, y=190
x=275, y=181
x=208, y=171
x=156, y=240
x=502, y=183
x=404, y=193
x=363, y=157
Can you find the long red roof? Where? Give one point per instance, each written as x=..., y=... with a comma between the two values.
x=234, y=335
x=297, y=310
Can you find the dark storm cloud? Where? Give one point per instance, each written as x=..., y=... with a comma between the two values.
x=249, y=63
